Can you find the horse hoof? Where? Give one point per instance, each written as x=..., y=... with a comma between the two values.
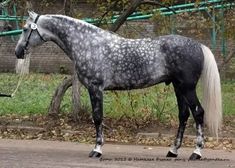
x=195, y=156
x=94, y=154
x=170, y=154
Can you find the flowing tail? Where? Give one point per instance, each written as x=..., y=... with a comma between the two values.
x=211, y=102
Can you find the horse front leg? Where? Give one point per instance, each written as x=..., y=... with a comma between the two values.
x=96, y=97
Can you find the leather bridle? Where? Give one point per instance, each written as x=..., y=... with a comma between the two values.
x=33, y=27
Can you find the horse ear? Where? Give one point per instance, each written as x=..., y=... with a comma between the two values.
x=32, y=14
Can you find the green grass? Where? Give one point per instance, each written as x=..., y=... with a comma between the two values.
x=228, y=91
x=35, y=93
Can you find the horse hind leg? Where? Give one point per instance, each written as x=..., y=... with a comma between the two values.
x=183, y=117
x=198, y=115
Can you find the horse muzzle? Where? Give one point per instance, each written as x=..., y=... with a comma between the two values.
x=19, y=52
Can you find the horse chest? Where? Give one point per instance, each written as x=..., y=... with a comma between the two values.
x=89, y=73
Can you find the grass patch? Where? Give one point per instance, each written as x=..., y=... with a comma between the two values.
x=36, y=91
x=33, y=95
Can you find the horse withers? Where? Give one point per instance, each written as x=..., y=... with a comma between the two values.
x=106, y=61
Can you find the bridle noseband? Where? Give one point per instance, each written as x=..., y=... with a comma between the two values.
x=33, y=27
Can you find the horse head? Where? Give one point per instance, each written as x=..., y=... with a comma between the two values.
x=33, y=35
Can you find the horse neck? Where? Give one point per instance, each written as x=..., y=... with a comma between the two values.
x=67, y=32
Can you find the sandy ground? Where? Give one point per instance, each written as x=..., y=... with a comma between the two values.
x=48, y=154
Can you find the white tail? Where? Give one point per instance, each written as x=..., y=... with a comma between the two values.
x=211, y=92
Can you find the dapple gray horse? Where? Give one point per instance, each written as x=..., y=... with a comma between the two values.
x=106, y=61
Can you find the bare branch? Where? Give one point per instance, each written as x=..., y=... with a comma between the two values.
x=158, y=4
x=107, y=11
x=122, y=18
x=135, y=3
x=228, y=59
x=230, y=56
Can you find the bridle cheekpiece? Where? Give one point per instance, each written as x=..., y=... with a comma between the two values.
x=33, y=27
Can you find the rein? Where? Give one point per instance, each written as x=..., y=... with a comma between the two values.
x=17, y=87
x=4, y=95
x=18, y=84
x=13, y=93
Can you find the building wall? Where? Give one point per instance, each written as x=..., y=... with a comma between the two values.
x=47, y=58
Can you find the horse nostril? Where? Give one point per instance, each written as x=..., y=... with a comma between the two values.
x=19, y=52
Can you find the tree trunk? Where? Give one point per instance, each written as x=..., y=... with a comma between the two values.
x=67, y=8
x=76, y=94
x=54, y=108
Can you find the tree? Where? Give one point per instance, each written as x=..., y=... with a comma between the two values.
x=73, y=81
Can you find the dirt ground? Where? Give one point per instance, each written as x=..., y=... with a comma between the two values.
x=119, y=131
x=55, y=154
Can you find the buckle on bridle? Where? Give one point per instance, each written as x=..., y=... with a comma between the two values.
x=33, y=26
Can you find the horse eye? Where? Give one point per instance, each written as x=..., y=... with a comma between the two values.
x=25, y=29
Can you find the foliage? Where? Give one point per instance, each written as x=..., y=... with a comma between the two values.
x=106, y=9
x=230, y=24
